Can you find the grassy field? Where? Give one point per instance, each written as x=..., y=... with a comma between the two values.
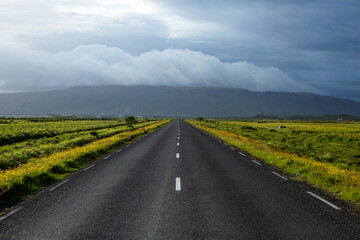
x=53, y=136
x=325, y=154
x=32, y=163
x=18, y=130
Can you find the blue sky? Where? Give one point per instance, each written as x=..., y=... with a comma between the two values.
x=273, y=45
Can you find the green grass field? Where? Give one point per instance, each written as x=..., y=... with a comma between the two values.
x=25, y=139
x=57, y=148
x=18, y=130
x=334, y=143
x=325, y=154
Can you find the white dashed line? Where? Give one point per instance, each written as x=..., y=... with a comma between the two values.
x=178, y=137
x=177, y=184
x=106, y=157
x=178, y=155
x=279, y=175
x=242, y=154
x=256, y=162
x=88, y=167
x=127, y=146
x=232, y=148
x=119, y=150
x=10, y=213
x=178, y=144
x=51, y=189
x=323, y=200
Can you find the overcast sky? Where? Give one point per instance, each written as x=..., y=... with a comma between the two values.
x=268, y=45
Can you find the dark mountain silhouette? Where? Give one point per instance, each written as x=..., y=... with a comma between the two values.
x=173, y=101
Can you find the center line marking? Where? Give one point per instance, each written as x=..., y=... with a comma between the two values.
x=10, y=213
x=256, y=162
x=178, y=144
x=51, y=189
x=279, y=175
x=242, y=154
x=178, y=137
x=106, y=157
x=232, y=148
x=178, y=184
x=119, y=150
x=88, y=167
x=178, y=155
x=323, y=200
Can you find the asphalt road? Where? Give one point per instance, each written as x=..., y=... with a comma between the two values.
x=178, y=184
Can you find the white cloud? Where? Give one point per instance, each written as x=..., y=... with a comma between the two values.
x=22, y=68
x=20, y=18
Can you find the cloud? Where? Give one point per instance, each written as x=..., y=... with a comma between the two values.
x=24, y=69
x=315, y=43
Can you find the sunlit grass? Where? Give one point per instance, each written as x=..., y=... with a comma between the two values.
x=342, y=182
x=25, y=175
x=19, y=153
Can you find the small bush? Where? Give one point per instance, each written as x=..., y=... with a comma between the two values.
x=94, y=133
x=199, y=118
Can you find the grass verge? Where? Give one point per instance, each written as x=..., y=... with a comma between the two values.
x=345, y=184
x=19, y=182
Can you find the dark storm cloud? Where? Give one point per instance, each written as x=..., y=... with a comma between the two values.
x=309, y=40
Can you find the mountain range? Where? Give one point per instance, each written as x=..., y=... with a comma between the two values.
x=173, y=102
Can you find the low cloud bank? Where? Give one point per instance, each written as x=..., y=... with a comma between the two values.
x=25, y=69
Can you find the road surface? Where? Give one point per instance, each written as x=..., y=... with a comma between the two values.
x=178, y=183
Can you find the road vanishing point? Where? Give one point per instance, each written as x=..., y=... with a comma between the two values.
x=178, y=183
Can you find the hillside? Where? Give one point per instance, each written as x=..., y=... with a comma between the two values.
x=173, y=101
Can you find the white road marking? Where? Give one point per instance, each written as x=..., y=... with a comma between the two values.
x=51, y=189
x=178, y=155
x=323, y=200
x=178, y=144
x=106, y=157
x=178, y=184
x=178, y=137
x=88, y=167
x=127, y=146
x=232, y=148
x=279, y=175
x=119, y=150
x=10, y=213
x=242, y=154
x=256, y=162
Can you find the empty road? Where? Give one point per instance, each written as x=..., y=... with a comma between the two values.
x=178, y=183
